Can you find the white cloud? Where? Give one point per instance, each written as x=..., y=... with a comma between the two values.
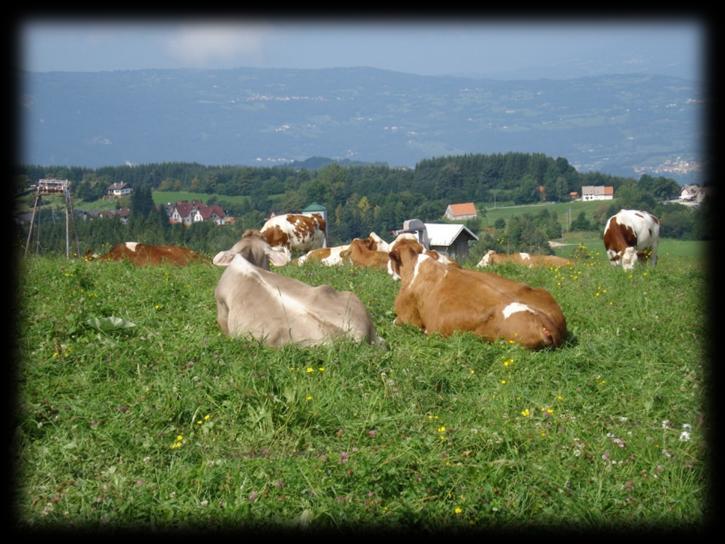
x=204, y=44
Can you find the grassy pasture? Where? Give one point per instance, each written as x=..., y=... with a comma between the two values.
x=561, y=209
x=170, y=424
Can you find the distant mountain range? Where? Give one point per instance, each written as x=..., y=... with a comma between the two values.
x=619, y=124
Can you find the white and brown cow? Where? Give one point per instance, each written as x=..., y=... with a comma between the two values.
x=631, y=235
x=526, y=259
x=339, y=255
x=444, y=299
x=328, y=256
x=277, y=310
x=295, y=232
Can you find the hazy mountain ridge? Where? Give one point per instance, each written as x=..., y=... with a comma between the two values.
x=622, y=124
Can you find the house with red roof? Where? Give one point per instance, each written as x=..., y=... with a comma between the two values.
x=461, y=211
x=188, y=213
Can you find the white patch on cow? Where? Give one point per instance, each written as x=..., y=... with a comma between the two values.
x=613, y=257
x=629, y=258
x=131, y=245
x=419, y=261
x=392, y=272
x=380, y=244
x=515, y=307
x=486, y=259
x=334, y=258
x=442, y=259
x=525, y=256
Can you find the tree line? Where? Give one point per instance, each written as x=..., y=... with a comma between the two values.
x=359, y=198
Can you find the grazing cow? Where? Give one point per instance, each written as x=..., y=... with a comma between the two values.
x=526, y=259
x=277, y=310
x=445, y=299
x=148, y=254
x=295, y=232
x=630, y=235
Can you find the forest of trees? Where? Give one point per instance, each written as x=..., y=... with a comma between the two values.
x=359, y=199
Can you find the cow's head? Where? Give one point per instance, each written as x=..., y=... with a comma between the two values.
x=404, y=248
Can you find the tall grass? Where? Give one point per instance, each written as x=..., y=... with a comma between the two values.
x=170, y=424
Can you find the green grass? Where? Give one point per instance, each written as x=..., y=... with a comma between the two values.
x=561, y=209
x=431, y=432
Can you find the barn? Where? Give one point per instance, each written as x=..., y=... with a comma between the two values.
x=451, y=239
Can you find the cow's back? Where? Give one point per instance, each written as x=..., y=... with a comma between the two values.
x=279, y=310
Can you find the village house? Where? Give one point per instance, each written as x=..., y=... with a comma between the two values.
x=461, y=211
x=597, y=192
x=691, y=195
x=119, y=189
x=188, y=213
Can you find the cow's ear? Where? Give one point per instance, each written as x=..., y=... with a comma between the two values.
x=223, y=258
x=278, y=256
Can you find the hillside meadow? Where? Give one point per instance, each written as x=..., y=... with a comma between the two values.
x=134, y=410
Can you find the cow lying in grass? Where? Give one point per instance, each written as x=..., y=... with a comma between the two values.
x=148, y=254
x=525, y=259
x=444, y=299
x=365, y=254
x=255, y=302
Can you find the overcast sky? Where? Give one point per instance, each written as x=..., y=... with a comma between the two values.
x=502, y=49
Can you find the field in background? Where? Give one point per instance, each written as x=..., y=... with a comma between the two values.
x=156, y=419
x=565, y=211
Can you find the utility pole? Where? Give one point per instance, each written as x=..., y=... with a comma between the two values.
x=54, y=187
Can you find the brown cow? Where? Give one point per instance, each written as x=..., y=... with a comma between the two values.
x=277, y=310
x=526, y=259
x=445, y=299
x=362, y=252
x=148, y=254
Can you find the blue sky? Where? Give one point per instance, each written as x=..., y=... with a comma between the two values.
x=506, y=49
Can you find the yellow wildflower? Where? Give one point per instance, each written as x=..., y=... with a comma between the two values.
x=504, y=382
x=525, y=412
x=457, y=510
x=321, y=369
x=309, y=370
x=441, y=429
x=308, y=397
